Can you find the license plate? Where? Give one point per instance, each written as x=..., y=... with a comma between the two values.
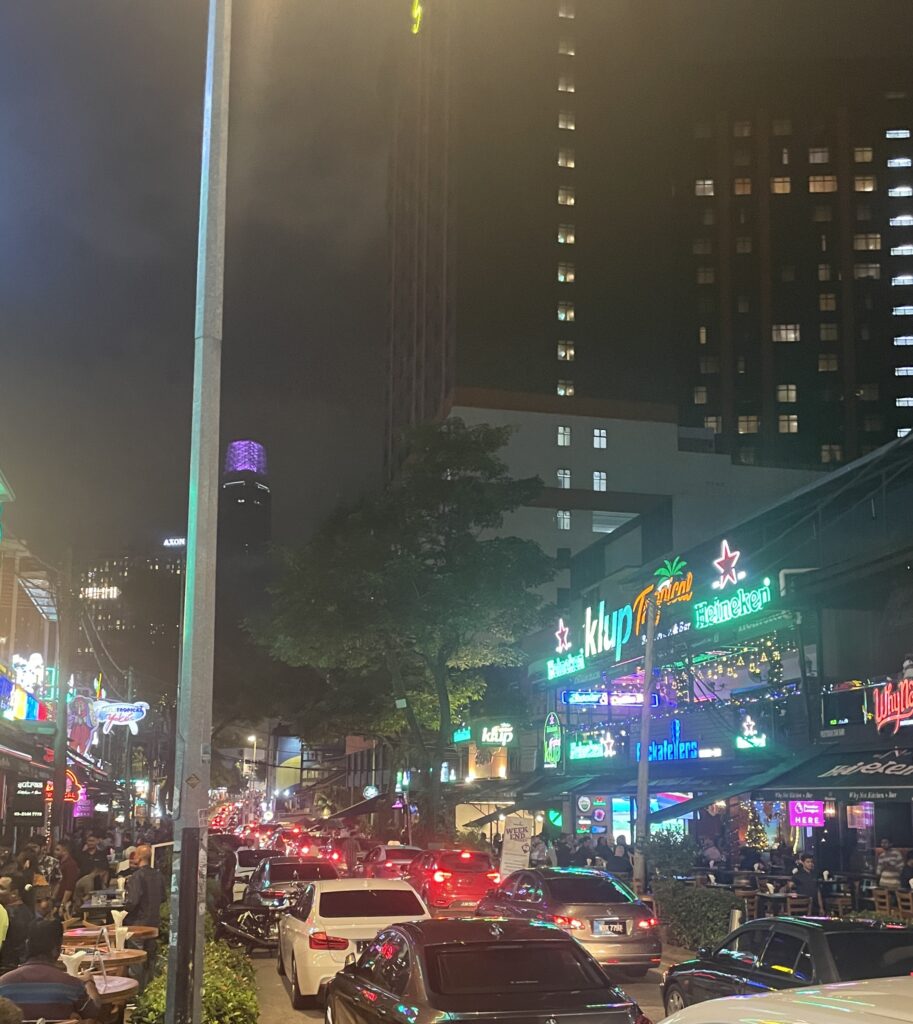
x=609, y=928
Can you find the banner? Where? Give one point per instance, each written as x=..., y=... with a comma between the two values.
x=518, y=833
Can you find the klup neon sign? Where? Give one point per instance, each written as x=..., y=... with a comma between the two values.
x=497, y=735
x=108, y=714
x=742, y=603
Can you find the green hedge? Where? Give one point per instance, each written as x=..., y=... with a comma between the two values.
x=229, y=990
x=692, y=915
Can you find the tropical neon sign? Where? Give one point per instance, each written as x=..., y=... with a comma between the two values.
x=108, y=714
x=418, y=11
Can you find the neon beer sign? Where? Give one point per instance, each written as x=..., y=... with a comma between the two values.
x=893, y=704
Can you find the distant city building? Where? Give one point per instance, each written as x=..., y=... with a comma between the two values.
x=245, y=505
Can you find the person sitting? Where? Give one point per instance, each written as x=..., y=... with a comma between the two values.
x=41, y=988
x=17, y=897
x=711, y=853
x=90, y=882
x=619, y=862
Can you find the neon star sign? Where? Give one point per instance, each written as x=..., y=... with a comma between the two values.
x=561, y=635
x=750, y=739
x=726, y=567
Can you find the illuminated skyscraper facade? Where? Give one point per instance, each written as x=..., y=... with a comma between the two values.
x=245, y=504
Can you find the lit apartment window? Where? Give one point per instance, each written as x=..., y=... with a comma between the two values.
x=566, y=234
x=787, y=393
x=788, y=423
x=782, y=126
x=868, y=242
x=566, y=273
x=902, y=279
x=566, y=196
x=567, y=9
x=864, y=183
x=824, y=271
x=780, y=186
x=897, y=133
x=566, y=47
x=819, y=155
x=700, y=396
x=564, y=437
x=827, y=302
x=874, y=424
x=599, y=437
x=827, y=362
x=709, y=364
x=566, y=158
x=565, y=389
x=715, y=423
x=901, y=191
x=708, y=216
x=566, y=84
x=822, y=214
x=743, y=244
x=900, y=161
x=742, y=130
x=903, y=371
x=703, y=186
x=787, y=273
x=564, y=479
x=702, y=246
x=862, y=154
x=822, y=183
x=902, y=250
x=823, y=243
x=872, y=271
x=904, y=403
x=565, y=351
x=903, y=431
x=706, y=275
x=903, y=340
x=599, y=481
x=902, y=311
x=567, y=120
x=702, y=335
x=748, y=424
x=566, y=312
x=785, y=332
x=902, y=220
x=563, y=519
x=831, y=453
x=741, y=186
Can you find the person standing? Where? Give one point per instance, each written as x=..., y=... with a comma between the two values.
x=143, y=898
x=890, y=865
x=562, y=852
x=805, y=883
x=69, y=875
x=585, y=854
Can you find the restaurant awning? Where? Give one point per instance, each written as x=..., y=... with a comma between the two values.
x=547, y=789
x=362, y=807
x=844, y=775
x=749, y=784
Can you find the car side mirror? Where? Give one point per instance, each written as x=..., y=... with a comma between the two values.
x=350, y=966
x=704, y=951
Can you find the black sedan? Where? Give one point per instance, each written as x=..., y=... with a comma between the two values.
x=787, y=952
x=471, y=969
x=276, y=878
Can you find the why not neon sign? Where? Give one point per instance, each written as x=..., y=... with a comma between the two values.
x=894, y=704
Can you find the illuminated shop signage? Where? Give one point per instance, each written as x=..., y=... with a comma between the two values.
x=71, y=794
x=462, y=734
x=109, y=713
x=174, y=542
x=632, y=700
x=726, y=566
x=497, y=735
x=585, y=698
x=551, y=741
x=566, y=663
x=675, y=748
x=894, y=704
x=750, y=739
x=674, y=587
x=589, y=745
x=605, y=632
x=806, y=814
x=738, y=605
x=418, y=12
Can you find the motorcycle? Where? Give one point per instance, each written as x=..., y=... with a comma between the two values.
x=250, y=927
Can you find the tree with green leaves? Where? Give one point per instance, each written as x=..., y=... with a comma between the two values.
x=410, y=597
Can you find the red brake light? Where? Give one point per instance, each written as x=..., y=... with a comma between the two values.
x=304, y=849
x=465, y=855
x=647, y=922
x=495, y=877
x=273, y=894
x=296, y=830
x=566, y=922
x=441, y=876
x=334, y=855
x=320, y=940
x=388, y=864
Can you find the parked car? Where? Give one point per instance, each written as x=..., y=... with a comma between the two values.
x=879, y=1001
x=247, y=862
x=331, y=919
x=388, y=861
x=476, y=970
x=453, y=880
x=275, y=878
x=598, y=909
x=786, y=952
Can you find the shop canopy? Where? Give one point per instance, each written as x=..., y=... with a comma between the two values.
x=844, y=775
x=736, y=787
x=362, y=807
x=542, y=792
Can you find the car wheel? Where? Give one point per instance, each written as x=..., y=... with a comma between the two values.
x=636, y=972
x=299, y=1001
x=280, y=964
x=675, y=999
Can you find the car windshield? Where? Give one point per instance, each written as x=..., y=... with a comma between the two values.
x=251, y=858
x=572, y=888
x=389, y=903
x=511, y=967
x=465, y=860
x=300, y=872
x=872, y=954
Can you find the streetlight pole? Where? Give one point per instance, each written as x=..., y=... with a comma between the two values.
x=251, y=779
x=193, y=732
x=643, y=764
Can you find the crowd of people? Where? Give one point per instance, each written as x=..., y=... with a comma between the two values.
x=603, y=852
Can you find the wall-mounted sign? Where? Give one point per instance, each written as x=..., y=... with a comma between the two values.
x=605, y=632
x=70, y=796
x=369, y=792
x=29, y=673
x=497, y=735
x=726, y=566
x=737, y=606
x=894, y=704
x=584, y=804
x=586, y=698
x=84, y=807
x=17, y=704
x=749, y=738
x=462, y=734
x=28, y=800
x=562, y=634
x=674, y=587
x=551, y=741
x=585, y=746
x=174, y=542
x=109, y=713
x=632, y=700
x=806, y=813
x=672, y=749
x=556, y=668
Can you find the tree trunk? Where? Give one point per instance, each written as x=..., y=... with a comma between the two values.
x=443, y=743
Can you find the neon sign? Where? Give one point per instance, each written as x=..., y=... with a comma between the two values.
x=585, y=746
x=750, y=740
x=498, y=735
x=586, y=698
x=462, y=734
x=71, y=793
x=893, y=704
x=418, y=11
x=174, y=542
x=806, y=814
x=561, y=635
x=726, y=567
x=672, y=749
x=108, y=714
x=551, y=741
x=674, y=588
x=600, y=638
x=737, y=606
x=558, y=667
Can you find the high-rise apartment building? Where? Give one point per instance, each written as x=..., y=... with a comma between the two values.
x=245, y=504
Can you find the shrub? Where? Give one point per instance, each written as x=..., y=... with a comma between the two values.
x=892, y=917
x=229, y=993
x=669, y=853
x=693, y=916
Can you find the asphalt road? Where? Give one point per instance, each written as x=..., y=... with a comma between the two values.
x=276, y=1006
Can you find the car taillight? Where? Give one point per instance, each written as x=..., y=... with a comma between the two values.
x=273, y=894
x=494, y=876
x=465, y=855
x=320, y=940
x=441, y=876
x=304, y=850
x=334, y=855
x=647, y=922
x=566, y=922
x=388, y=864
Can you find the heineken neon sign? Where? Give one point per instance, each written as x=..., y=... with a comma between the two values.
x=590, y=745
x=551, y=741
x=566, y=664
x=739, y=605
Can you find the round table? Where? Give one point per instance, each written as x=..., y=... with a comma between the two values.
x=116, y=961
x=140, y=932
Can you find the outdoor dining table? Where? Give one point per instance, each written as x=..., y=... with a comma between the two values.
x=114, y=994
x=140, y=932
x=115, y=961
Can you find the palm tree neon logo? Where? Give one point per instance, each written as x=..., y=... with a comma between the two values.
x=674, y=586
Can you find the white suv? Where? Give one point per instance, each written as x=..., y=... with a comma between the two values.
x=333, y=918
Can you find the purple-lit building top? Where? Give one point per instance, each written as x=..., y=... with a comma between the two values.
x=245, y=457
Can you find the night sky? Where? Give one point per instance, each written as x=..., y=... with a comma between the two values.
x=100, y=105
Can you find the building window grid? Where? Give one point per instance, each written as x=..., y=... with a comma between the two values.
x=899, y=161
x=787, y=393
x=819, y=155
x=564, y=436
x=567, y=273
x=785, y=333
x=827, y=302
x=600, y=437
x=867, y=242
x=900, y=192
x=703, y=187
x=741, y=186
x=563, y=519
x=566, y=84
x=748, y=424
x=788, y=423
x=566, y=196
x=818, y=183
x=564, y=478
x=566, y=352
x=870, y=271
x=828, y=362
x=567, y=120
x=565, y=389
x=566, y=234
x=599, y=480
x=567, y=47
x=864, y=183
x=902, y=220
x=567, y=158
x=831, y=453
x=862, y=154
x=700, y=395
x=781, y=186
